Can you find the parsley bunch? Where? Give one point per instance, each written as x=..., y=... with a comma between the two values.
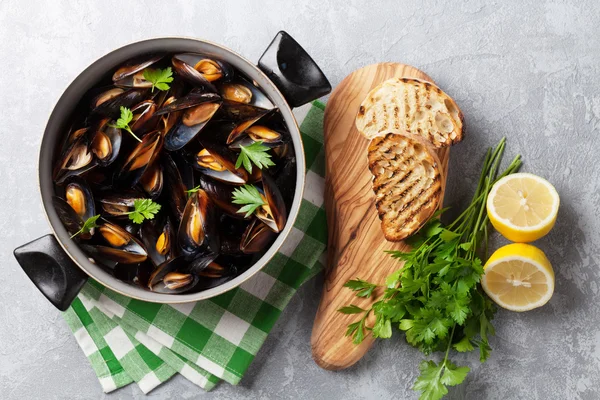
x=435, y=298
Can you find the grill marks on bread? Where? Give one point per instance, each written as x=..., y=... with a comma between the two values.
x=407, y=182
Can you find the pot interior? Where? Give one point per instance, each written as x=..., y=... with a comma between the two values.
x=59, y=123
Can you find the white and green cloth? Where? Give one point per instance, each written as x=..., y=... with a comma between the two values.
x=127, y=340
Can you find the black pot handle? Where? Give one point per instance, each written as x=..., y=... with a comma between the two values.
x=292, y=70
x=51, y=270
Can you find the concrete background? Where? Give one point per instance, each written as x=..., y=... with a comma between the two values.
x=527, y=70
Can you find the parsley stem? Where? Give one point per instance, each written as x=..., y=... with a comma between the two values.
x=128, y=129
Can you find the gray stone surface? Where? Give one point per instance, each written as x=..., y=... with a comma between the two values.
x=527, y=70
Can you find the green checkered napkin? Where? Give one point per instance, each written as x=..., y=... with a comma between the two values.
x=128, y=340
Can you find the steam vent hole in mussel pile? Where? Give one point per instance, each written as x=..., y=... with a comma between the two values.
x=176, y=174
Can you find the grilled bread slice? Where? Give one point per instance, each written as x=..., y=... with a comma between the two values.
x=414, y=106
x=407, y=182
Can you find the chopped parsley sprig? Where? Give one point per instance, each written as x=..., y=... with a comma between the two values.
x=435, y=299
x=124, y=120
x=88, y=225
x=249, y=197
x=143, y=209
x=256, y=153
x=160, y=78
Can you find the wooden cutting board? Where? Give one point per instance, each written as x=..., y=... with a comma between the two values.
x=356, y=243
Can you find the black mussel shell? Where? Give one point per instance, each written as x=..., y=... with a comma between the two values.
x=257, y=237
x=69, y=218
x=119, y=204
x=216, y=273
x=75, y=160
x=243, y=92
x=153, y=180
x=131, y=67
x=106, y=143
x=275, y=215
x=194, y=98
x=172, y=277
x=240, y=128
x=198, y=230
x=139, y=159
x=138, y=274
x=111, y=108
x=159, y=238
x=191, y=123
x=218, y=162
x=118, y=245
x=194, y=77
x=211, y=68
x=221, y=194
x=145, y=118
x=258, y=133
x=79, y=196
x=174, y=189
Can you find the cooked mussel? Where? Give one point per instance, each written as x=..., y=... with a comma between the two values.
x=257, y=237
x=273, y=213
x=79, y=196
x=175, y=189
x=152, y=181
x=243, y=92
x=69, y=218
x=190, y=74
x=212, y=69
x=138, y=274
x=75, y=160
x=221, y=194
x=108, y=103
x=142, y=156
x=218, y=162
x=171, y=277
x=131, y=74
x=119, y=205
x=241, y=127
x=144, y=117
x=258, y=133
x=198, y=230
x=159, y=238
x=106, y=143
x=118, y=245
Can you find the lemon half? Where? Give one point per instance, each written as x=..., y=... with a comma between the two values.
x=523, y=207
x=518, y=277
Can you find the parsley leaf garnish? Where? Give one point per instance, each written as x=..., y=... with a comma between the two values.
x=160, y=78
x=256, y=153
x=124, y=120
x=143, y=209
x=193, y=190
x=435, y=298
x=249, y=196
x=88, y=225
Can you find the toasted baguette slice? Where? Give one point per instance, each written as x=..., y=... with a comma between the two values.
x=413, y=106
x=407, y=182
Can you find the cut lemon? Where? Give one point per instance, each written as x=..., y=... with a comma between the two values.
x=523, y=207
x=518, y=277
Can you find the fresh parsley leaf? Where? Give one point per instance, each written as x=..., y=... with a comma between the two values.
x=255, y=153
x=429, y=381
x=453, y=375
x=160, y=78
x=143, y=209
x=249, y=197
x=363, y=288
x=124, y=120
x=88, y=225
x=382, y=328
x=359, y=335
x=193, y=190
x=352, y=309
x=464, y=345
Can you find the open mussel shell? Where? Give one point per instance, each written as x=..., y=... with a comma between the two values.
x=215, y=273
x=193, y=119
x=240, y=128
x=144, y=117
x=257, y=237
x=198, y=230
x=194, y=98
x=138, y=274
x=172, y=277
x=106, y=143
x=190, y=74
x=108, y=104
x=142, y=156
x=258, y=133
x=69, y=218
x=242, y=92
x=210, y=68
x=218, y=162
x=152, y=181
x=118, y=245
x=119, y=205
x=131, y=74
x=79, y=196
x=174, y=187
x=221, y=194
x=75, y=160
x=274, y=213
x=159, y=239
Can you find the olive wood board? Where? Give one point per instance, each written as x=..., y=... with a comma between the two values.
x=356, y=243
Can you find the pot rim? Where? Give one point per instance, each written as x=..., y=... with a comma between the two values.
x=131, y=291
